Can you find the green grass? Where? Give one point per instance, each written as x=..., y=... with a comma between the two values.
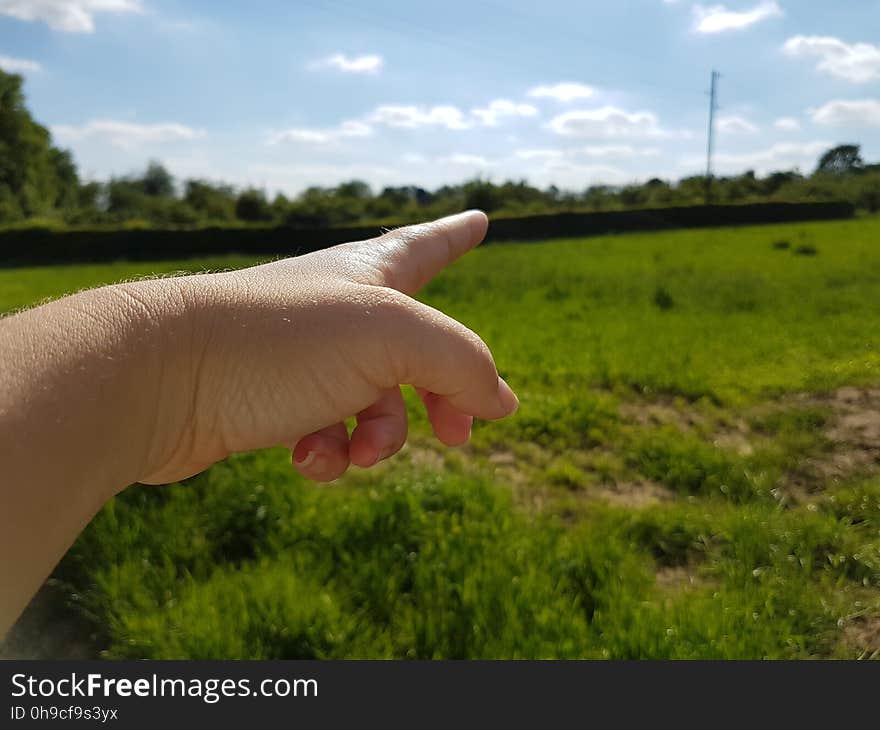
x=659, y=494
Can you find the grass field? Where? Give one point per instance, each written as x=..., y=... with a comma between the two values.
x=693, y=473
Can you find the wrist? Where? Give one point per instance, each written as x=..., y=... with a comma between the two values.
x=160, y=349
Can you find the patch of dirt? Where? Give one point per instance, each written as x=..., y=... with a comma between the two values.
x=506, y=466
x=675, y=577
x=863, y=635
x=851, y=434
x=849, y=448
x=853, y=431
x=425, y=457
x=663, y=413
x=858, y=422
x=503, y=458
x=735, y=439
x=639, y=493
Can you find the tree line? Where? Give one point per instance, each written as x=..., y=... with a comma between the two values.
x=39, y=184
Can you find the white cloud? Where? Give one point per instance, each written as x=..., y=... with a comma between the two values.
x=845, y=112
x=602, y=151
x=14, y=65
x=503, y=108
x=568, y=173
x=126, y=134
x=563, y=91
x=368, y=64
x=781, y=156
x=539, y=154
x=619, y=151
x=293, y=179
x=857, y=62
x=787, y=124
x=718, y=19
x=413, y=117
x=607, y=121
x=466, y=160
x=736, y=125
x=352, y=128
x=69, y=16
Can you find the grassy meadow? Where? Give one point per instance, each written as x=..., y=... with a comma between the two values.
x=693, y=473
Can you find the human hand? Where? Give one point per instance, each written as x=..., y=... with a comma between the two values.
x=281, y=353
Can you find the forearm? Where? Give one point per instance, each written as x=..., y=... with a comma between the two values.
x=78, y=393
x=157, y=380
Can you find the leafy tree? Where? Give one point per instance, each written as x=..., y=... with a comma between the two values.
x=354, y=189
x=597, y=197
x=481, y=194
x=35, y=177
x=252, y=206
x=157, y=181
x=38, y=179
x=124, y=197
x=213, y=203
x=842, y=159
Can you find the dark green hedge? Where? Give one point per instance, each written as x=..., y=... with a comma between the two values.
x=33, y=246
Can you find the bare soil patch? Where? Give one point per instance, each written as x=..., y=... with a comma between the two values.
x=635, y=494
x=863, y=635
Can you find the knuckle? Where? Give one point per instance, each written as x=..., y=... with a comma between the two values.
x=383, y=320
x=388, y=304
x=482, y=363
x=406, y=234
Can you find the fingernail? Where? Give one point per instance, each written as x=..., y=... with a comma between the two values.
x=508, y=399
x=306, y=460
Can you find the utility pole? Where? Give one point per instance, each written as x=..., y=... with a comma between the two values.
x=711, y=144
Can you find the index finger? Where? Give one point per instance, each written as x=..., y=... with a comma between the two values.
x=408, y=258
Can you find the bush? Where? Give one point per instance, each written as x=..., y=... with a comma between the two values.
x=663, y=299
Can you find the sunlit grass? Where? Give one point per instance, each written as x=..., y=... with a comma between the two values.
x=528, y=544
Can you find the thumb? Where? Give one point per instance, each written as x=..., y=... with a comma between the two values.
x=408, y=258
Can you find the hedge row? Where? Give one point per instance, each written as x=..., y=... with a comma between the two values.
x=34, y=246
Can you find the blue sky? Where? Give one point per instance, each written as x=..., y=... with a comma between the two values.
x=284, y=95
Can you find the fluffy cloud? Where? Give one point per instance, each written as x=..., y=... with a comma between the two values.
x=568, y=173
x=459, y=159
x=736, y=125
x=718, y=19
x=351, y=128
x=602, y=151
x=563, y=91
x=18, y=65
x=466, y=160
x=845, y=112
x=540, y=154
x=293, y=179
x=782, y=156
x=607, y=121
x=413, y=117
x=619, y=151
x=787, y=124
x=368, y=64
x=857, y=62
x=126, y=134
x=69, y=16
x=503, y=108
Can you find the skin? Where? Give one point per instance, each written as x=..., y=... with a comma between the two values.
x=154, y=381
